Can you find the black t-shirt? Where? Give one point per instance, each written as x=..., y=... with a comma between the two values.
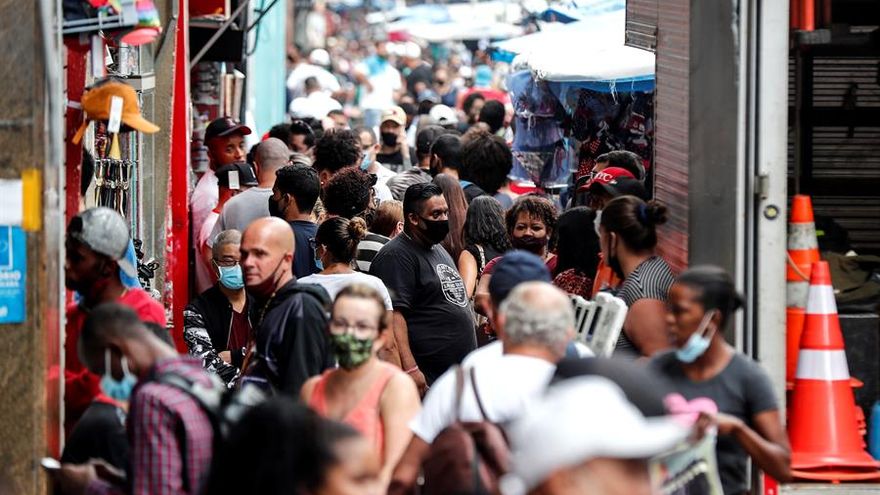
x=427, y=289
x=99, y=434
x=304, y=248
x=394, y=161
x=742, y=389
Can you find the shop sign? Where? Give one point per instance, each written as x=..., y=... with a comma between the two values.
x=13, y=274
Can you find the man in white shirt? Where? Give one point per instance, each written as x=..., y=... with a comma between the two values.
x=538, y=322
x=319, y=60
x=381, y=83
x=315, y=104
x=224, y=138
x=252, y=204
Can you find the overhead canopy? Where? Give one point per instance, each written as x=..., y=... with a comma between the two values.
x=591, y=53
x=573, y=11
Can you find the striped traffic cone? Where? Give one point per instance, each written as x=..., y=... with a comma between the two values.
x=825, y=442
x=803, y=251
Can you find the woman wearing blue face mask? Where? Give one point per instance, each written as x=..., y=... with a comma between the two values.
x=217, y=323
x=703, y=364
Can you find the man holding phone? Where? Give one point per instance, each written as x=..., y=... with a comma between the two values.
x=132, y=361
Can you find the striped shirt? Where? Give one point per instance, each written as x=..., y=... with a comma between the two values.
x=650, y=280
x=368, y=249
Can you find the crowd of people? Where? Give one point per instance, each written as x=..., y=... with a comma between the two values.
x=387, y=291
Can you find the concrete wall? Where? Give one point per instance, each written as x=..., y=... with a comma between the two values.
x=24, y=144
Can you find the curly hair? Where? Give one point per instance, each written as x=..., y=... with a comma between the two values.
x=534, y=207
x=348, y=192
x=485, y=160
x=484, y=224
x=337, y=150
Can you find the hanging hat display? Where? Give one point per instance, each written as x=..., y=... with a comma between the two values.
x=97, y=100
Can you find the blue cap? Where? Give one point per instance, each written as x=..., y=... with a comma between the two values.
x=513, y=269
x=483, y=76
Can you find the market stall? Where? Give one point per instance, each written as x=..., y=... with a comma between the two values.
x=569, y=110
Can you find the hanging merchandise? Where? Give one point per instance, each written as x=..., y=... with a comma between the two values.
x=540, y=149
x=113, y=179
x=96, y=105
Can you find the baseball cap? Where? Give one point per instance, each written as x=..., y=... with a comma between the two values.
x=483, y=76
x=96, y=103
x=514, y=268
x=104, y=231
x=394, y=114
x=411, y=50
x=643, y=389
x=246, y=176
x=443, y=115
x=426, y=137
x=615, y=181
x=581, y=419
x=224, y=126
x=319, y=56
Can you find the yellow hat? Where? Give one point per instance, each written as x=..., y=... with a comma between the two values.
x=96, y=106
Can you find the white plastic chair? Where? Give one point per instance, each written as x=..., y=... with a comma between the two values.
x=598, y=322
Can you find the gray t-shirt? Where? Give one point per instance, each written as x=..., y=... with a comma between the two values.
x=742, y=389
x=241, y=210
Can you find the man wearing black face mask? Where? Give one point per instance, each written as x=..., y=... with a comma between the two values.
x=433, y=325
x=394, y=153
x=294, y=195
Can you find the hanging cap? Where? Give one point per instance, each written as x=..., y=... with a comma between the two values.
x=224, y=126
x=96, y=106
x=104, y=231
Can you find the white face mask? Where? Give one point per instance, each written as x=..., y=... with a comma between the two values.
x=597, y=221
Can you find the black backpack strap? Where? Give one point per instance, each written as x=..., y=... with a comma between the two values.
x=477, y=395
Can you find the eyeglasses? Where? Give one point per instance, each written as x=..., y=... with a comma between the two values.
x=360, y=330
x=225, y=262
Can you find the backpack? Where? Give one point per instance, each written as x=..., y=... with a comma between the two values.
x=223, y=406
x=466, y=458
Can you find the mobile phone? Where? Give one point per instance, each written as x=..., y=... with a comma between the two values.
x=50, y=464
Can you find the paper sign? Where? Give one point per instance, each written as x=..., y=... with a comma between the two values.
x=115, y=119
x=233, y=180
x=10, y=202
x=13, y=274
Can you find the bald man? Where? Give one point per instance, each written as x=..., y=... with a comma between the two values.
x=291, y=343
x=252, y=204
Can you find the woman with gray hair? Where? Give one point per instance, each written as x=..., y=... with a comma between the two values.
x=217, y=325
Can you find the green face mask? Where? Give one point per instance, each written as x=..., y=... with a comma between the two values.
x=351, y=351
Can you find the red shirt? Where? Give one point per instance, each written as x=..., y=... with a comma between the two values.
x=81, y=385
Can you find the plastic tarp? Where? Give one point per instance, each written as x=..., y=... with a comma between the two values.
x=587, y=53
x=573, y=11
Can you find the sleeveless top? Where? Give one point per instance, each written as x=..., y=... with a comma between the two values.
x=650, y=280
x=365, y=417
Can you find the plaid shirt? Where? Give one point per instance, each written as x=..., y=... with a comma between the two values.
x=160, y=417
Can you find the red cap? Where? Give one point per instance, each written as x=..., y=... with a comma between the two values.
x=608, y=177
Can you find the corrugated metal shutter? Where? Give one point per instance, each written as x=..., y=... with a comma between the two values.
x=841, y=167
x=671, y=153
x=641, y=23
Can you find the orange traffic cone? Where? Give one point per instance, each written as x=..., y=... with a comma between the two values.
x=825, y=441
x=803, y=251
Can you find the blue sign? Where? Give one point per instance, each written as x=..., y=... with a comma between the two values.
x=13, y=274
